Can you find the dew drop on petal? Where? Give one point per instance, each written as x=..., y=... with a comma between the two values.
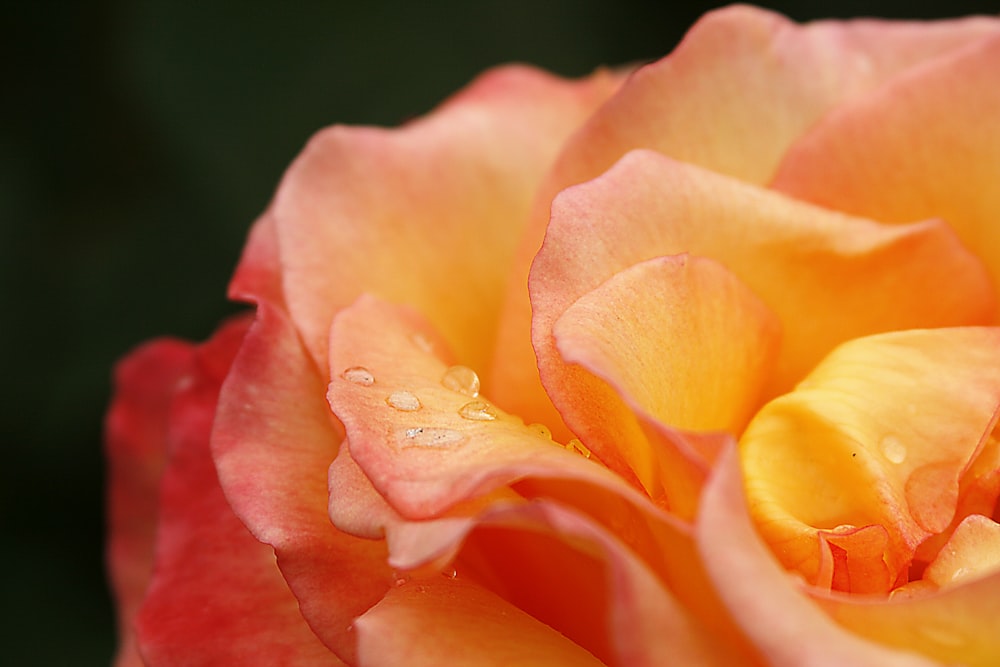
x=430, y=437
x=844, y=528
x=892, y=448
x=575, y=445
x=450, y=573
x=400, y=579
x=479, y=411
x=404, y=401
x=359, y=375
x=461, y=379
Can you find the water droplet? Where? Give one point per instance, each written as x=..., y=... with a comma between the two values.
x=428, y=436
x=461, y=379
x=450, y=573
x=423, y=342
x=575, y=445
x=892, y=448
x=844, y=528
x=403, y=400
x=359, y=375
x=400, y=579
x=478, y=411
x=542, y=430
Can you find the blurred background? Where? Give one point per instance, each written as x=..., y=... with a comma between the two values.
x=140, y=138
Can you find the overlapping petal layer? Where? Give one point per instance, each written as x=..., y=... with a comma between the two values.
x=428, y=213
x=850, y=472
x=766, y=601
x=136, y=433
x=273, y=440
x=430, y=478
x=216, y=590
x=793, y=256
x=743, y=85
x=925, y=145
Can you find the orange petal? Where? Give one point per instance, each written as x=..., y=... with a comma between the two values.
x=430, y=477
x=425, y=442
x=682, y=342
x=878, y=435
x=427, y=214
x=135, y=432
x=741, y=87
x=924, y=145
x=216, y=596
x=432, y=622
x=973, y=551
x=783, y=624
x=956, y=626
x=273, y=440
x=795, y=257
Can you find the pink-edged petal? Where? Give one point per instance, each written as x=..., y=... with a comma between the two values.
x=406, y=427
x=436, y=622
x=743, y=85
x=429, y=213
x=273, y=441
x=258, y=276
x=879, y=435
x=682, y=342
x=972, y=552
x=925, y=145
x=216, y=596
x=136, y=433
x=957, y=625
x=784, y=625
x=795, y=257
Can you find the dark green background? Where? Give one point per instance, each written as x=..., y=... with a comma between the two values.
x=139, y=140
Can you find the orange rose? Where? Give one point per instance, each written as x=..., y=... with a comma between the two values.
x=692, y=366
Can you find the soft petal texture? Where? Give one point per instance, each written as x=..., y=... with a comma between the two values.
x=743, y=85
x=437, y=621
x=925, y=145
x=780, y=620
x=136, y=433
x=216, y=596
x=957, y=625
x=273, y=441
x=428, y=213
x=683, y=343
x=973, y=551
x=878, y=435
x=793, y=256
x=435, y=487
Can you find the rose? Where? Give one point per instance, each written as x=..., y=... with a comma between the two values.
x=770, y=204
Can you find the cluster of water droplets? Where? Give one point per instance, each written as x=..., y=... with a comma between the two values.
x=461, y=380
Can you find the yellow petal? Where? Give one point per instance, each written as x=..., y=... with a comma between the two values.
x=879, y=434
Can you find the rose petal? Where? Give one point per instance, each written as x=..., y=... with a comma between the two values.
x=273, y=441
x=781, y=622
x=956, y=625
x=973, y=551
x=423, y=456
x=925, y=145
x=682, y=342
x=742, y=86
x=435, y=622
x=136, y=427
x=879, y=434
x=794, y=256
x=427, y=214
x=210, y=572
